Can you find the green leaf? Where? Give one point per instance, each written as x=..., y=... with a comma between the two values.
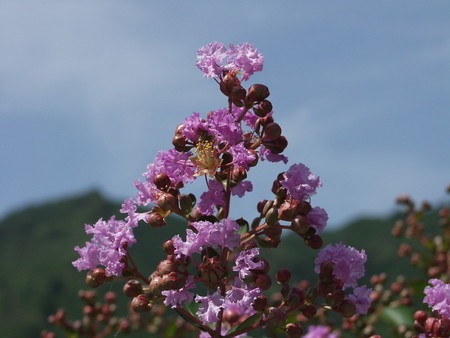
x=246, y=323
x=401, y=315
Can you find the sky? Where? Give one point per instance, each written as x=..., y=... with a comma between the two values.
x=91, y=90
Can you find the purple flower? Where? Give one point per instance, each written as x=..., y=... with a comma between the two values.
x=240, y=298
x=107, y=247
x=241, y=188
x=215, y=196
x=361, y=299
x=348, y=262
x=220, y=234
x=176, y=165
x=317, y=218
x=242, y=157
x=193, y=127
x=214, y=58
x=266, y=154
x=210, y=307
x=176, y=298
x=246, y=58
x=246, y=261
x=319, y=331
x=437, y=296
x=222, y=125
x=300, y=182
x=210, y=57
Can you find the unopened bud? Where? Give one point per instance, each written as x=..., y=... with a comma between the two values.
x=294, y=330
x=167, y=202
x=263, y=281
x=347, y=309
x=300, y=225
x=168, y=247
x=156, y=220
x=282, y=276
x=264, y=108
x=238, y=94
x=272, y=130
x=162, y=181
x=140, y=303
x=257, y=93
x=272, y=216
x=315, y=242
x=132, y=288
x=187, y=203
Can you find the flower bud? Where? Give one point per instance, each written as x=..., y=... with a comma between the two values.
x=272, y=130
x=156, y=220
x=300, y=225
x=165, y=267
x=162, y=181
x=275, y=145
x=314, y=242
x=95, y=278
x=282, y=276
x=346, y=309
x=276, y=317
x=180, y=143
x=260, y=303
x=294, y=330
x=168, y=247
x=238, y=95
x=187, y=203
x=110, y=297
x=309, y=311
x=167, y=202
x=264, y=108
x=140, y=303
x=263, y=281
x=272, y=216
x=132, y=288
x=228, y=82
x=257, y=93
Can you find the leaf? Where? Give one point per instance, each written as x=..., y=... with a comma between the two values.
x=246, y=323
x=401, y=315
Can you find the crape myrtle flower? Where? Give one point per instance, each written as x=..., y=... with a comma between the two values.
x=246, y=261
x=319, y=331
x=317, y=218
x=176, y=165
x=361, y=299
x=437, y=296
x=266, y=154
x=107, y=247
x=348, y=262
x=210, y=307
x=241, y=188
x=300, y=182
x=215, y=196
x=214, y=58
x=220, y=234
x=176, y=298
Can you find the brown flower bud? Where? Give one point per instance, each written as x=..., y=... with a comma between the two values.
x=257, y=93
x=132, y=288
x=282, y=276
x=187, y=203
x=294, y=330
x=156, y=220
x=314, y=242
x=272, y=130
x=167, y=202
x=263, y=281
x=238, y=94
x=275, y=145
x=168, y=247
x=272, y=217
x=140, y=303
x=264, y=108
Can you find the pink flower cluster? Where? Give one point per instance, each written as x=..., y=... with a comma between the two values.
x=214, y=58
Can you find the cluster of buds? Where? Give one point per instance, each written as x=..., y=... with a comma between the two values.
x=431, y=250
x=99, y=318
x=216, y=265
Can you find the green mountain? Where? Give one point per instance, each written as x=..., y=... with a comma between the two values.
x=37, y=250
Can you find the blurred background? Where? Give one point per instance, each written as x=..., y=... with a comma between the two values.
x=90, y=91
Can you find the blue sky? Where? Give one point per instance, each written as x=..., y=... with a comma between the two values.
x=91, y=90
